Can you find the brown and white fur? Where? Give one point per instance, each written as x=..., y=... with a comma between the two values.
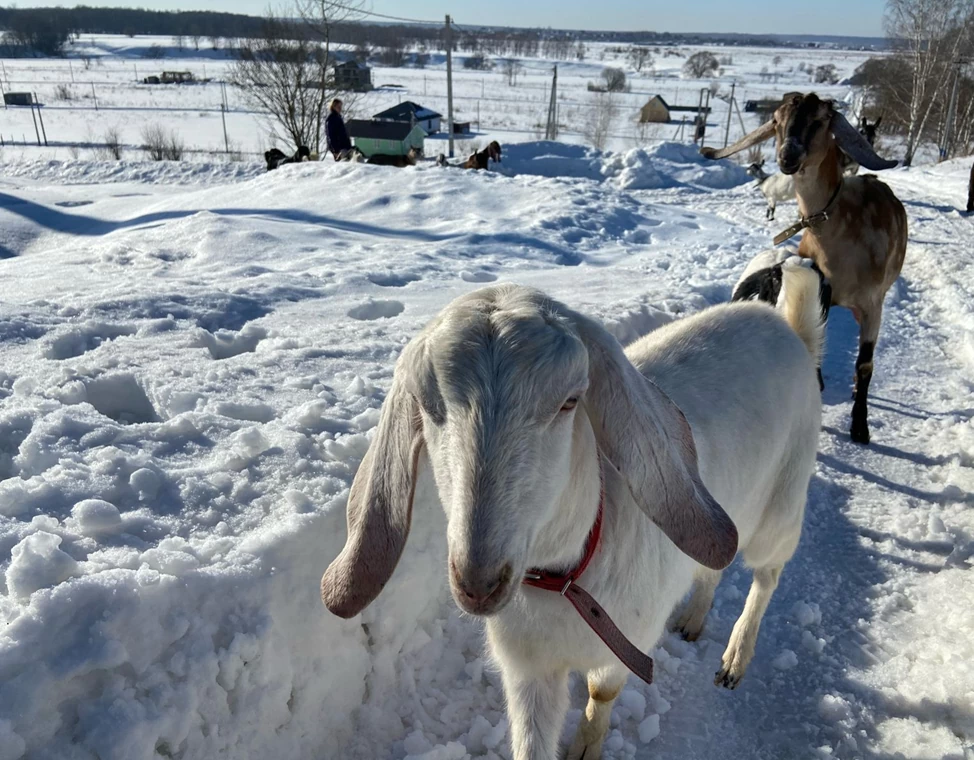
x=861, y=247
x=508, y=401
x=481, y=159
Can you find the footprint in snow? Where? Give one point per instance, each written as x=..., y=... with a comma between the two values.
x=392, y=280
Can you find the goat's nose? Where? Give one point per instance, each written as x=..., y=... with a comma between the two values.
x=477, y=585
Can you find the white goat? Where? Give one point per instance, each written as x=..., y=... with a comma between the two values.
x=763, y=280
x=777, y=188
x=515, y=405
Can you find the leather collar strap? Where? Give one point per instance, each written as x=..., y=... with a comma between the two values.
x=809, y=221
x=591, y=612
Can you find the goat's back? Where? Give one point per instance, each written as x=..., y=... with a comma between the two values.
x=748, y=387
x=868, y=216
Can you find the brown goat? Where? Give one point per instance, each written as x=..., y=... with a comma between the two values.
x=401, y=162
x=482, y=158
x=855, y=227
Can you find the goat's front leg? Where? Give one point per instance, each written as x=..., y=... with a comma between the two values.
x=536, y=707
x=604, y=686
x=868, y=333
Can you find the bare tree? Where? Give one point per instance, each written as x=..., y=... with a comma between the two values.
x=928, y=35
x=604, y=113
x=159, y=144
x=615, y=79
x=511, y=69
x=195, y=37
x=826, y=74
x=288, y=72
x=639, y=57
x=700, y=65
x=113, y=143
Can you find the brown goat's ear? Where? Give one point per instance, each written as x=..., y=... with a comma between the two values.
x=647, y=437
x=379, y=510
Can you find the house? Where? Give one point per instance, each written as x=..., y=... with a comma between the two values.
x=412, y=113
x=385, y=138
x=655, y=110
x=353, y=76
x=18, y=99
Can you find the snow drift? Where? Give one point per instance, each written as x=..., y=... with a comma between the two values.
x=190, y=367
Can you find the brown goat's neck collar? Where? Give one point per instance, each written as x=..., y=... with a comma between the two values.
x=810, y=221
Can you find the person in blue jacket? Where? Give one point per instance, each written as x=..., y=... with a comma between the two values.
x=335, y=132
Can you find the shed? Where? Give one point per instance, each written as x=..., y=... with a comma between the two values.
x=412, y=113
x=656, y=109
x=461, y=128
x=18, y=99
x=385, y=138
x=353, y=76
x=176, y=77
x=764, y=107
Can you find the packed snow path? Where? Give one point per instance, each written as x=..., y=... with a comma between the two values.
x=190, y=363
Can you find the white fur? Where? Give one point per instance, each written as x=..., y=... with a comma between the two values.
x=726, y=430
x=777, y=188
x=747, y=387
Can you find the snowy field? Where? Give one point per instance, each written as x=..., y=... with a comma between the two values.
x=110, y=94
x=192, y=360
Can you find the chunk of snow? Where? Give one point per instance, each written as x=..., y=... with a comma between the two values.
x=37, y=562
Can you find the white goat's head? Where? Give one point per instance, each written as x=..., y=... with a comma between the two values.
x=490, y=390
x=806, y=128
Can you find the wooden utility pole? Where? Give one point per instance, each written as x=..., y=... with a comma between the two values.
x=551, y=127
x=40, y=117
x=449, y=82
x=36, y=130
x=223, y=112
x=730, y=112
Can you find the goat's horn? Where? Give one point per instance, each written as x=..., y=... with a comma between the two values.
x=856, y=146
x=759, y=135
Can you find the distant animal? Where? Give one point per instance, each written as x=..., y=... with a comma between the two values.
x=275, y=157
x=855, y=228
x=352, y=155
x=848, y=164
x=410, y=159
x=482, y=158
x=777, y=188
x=762, y=280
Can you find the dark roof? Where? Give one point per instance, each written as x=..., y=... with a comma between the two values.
x=351, y=65
x=379, y=130
x=406, y=111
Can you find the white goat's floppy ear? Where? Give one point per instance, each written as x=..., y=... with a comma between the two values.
x=647, y=437
x=380, y=505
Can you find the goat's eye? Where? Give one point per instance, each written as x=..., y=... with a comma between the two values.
x=569, y=404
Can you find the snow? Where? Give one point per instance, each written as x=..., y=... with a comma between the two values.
x=192, y=359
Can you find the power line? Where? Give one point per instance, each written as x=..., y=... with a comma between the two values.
x=385, y=16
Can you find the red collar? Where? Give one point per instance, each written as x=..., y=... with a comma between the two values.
x=549, y=581
x=591, y=612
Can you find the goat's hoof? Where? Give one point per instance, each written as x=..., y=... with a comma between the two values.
x=727, y=679
x=859, y=434
x=688, y=632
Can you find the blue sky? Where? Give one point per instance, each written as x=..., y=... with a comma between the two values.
x=848, y=17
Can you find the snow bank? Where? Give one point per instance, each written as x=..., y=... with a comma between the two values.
x=190, y=376
x=76, y=172
x=671, y=165
x=662, y=167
